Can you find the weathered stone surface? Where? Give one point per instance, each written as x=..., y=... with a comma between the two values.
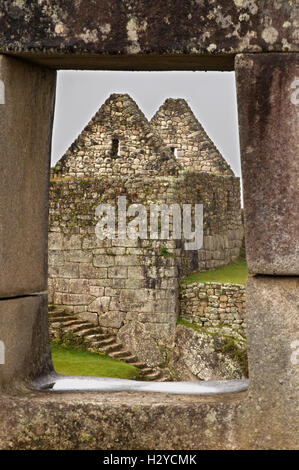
x=25, y=138
x=200, y=355
x=180, y=130
x=24, y=332
x=133, y=421
x=138, y=339
x=273, y=353
x=119, y=421
x=140, y=33
x=269, y=129
x=112, y=319
x=272, y=311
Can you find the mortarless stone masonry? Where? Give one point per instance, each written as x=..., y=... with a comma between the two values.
x=213, y=304
x=210, y=341
x=131, y=287
x=117, y=141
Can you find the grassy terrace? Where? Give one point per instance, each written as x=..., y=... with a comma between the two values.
x=78, y=361
x=235, y=273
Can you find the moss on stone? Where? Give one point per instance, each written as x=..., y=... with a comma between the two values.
x=230, y=345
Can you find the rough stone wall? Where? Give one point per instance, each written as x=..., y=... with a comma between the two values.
x=181, y=131
x=213, y=304
x=131, y=286
x=222, y=225
x=117, y=140
x=118, y=284
x=211, y=337
x=208, y=353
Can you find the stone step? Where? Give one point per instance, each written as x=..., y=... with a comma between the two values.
x=58, y=313
x=154, y=375
x=55, y=325
x=146, y=370
x=89, y=330
x=139, y=365
x=107, y=341
x=122, y=354
x=98, y=337
x=101, y=344
x=163, y=379
x=63, y=319
x=70, y=322
x=110, y=348
x=131, y=359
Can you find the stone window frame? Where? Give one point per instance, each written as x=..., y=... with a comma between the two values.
x=27, y=310
x=2, y=92
x=116, y=139
x=115, y=153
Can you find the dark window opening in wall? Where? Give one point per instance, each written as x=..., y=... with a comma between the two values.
x=111, y=291
x=174, y=151
x=115, y=148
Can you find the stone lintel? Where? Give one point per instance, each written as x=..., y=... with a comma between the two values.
x=133, y=29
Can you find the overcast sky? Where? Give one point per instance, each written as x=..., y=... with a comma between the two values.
x=211, y=96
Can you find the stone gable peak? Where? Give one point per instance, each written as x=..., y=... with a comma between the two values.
x=179, y=128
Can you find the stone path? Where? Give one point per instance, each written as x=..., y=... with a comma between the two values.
x=62, y=323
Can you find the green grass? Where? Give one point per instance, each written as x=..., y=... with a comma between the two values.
x=235, y=273
x=77, y=361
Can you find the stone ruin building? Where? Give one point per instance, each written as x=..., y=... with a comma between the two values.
x=130, y=287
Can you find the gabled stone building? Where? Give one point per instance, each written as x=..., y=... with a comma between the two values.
x=180, y=130
x=117, y=141
x=131, y=286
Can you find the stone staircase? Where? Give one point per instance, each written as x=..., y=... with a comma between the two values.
x=65, y=325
